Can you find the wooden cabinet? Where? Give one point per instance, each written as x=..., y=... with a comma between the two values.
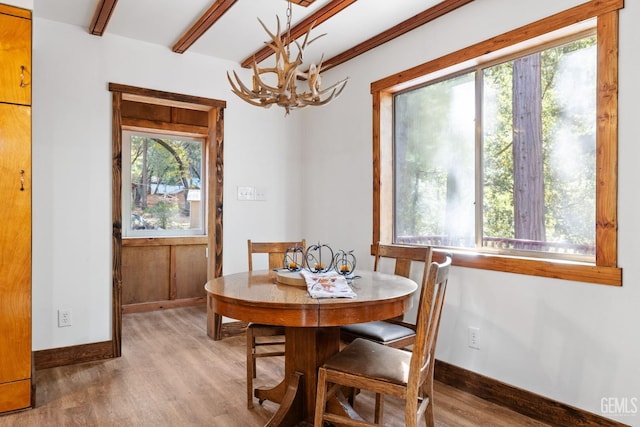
x=15, y=55
x=15, y=209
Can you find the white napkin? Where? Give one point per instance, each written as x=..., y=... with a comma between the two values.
x=327, y=285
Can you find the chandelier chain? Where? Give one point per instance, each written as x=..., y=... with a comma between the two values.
x=288, y=41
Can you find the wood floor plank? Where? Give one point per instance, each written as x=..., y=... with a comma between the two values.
x=172, y=374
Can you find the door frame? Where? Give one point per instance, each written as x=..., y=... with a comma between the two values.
x=215, y=167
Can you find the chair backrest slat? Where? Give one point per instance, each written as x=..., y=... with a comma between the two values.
x=434, y=286
x=403, y=255
x=275, y=250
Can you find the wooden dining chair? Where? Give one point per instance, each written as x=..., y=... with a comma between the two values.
x=368, y=365
x=260, y=335
x=393, y=332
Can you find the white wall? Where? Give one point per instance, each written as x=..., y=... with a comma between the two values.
x=573, y=342
x=72, y=168
x=25, y=4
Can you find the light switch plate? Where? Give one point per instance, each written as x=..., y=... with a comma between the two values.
x=260, y=194
x=246, y=193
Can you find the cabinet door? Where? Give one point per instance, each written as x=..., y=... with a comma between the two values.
x=15, y=57
x=15, y=242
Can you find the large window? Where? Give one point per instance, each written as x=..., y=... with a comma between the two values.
x=531, y=122
x=162, y=185
x=506, y=152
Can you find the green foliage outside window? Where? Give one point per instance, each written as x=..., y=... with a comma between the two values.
x=485, y=117
x=164, y=171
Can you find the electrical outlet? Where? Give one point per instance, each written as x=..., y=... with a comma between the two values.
x=474, y=337
x=64, y=318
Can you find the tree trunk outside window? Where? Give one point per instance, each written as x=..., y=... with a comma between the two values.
x=528, y=191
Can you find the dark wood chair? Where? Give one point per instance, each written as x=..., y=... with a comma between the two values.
x=392, y=332
x=367, y=365
x=260, y=335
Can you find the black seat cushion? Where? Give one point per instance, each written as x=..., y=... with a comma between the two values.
x=379, y=330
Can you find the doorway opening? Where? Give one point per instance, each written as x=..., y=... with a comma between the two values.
x=192, y=253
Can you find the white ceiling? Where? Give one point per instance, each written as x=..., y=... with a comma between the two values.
x=237, y=34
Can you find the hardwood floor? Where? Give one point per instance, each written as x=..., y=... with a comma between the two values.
x=172, y=374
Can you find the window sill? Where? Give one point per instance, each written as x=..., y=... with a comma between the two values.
x=164, y=241
x=566, y=270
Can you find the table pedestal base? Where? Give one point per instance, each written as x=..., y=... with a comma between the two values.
x=306, y=349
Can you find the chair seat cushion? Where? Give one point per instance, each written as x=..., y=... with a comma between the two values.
x=370, y=359
x=379, y=330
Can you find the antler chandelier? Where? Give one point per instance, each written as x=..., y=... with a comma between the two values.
x=286, y=72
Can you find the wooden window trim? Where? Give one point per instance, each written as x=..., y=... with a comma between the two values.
x=605, y=271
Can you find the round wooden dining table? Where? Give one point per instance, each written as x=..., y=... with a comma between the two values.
x=312, y=325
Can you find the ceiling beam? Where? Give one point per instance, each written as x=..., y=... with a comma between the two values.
x=303, y=3
x=404, y=27
x=320, y=16
x=101, y=16
x=215, y=12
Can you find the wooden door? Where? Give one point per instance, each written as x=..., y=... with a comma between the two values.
x=15, y=256
x=15, y=55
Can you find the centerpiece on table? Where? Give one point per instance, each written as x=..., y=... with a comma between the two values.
x=314, y=258
x=345, y=262
x=320, y=270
